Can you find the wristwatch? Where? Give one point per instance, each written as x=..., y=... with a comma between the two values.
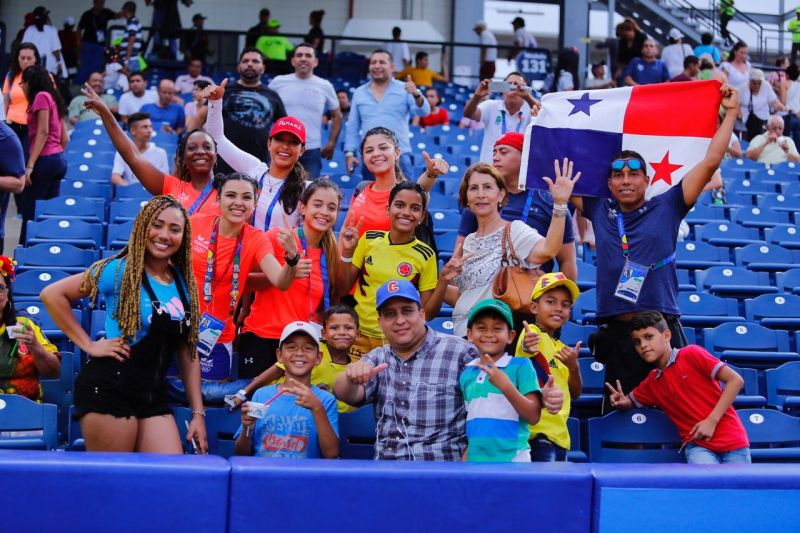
x=292, y=261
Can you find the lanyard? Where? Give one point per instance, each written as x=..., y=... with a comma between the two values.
x=519, y=124
x=323, y=263
x=202, y=198
x=272, y=204
x=626, y=249
x=527, y=209
x=210, y=259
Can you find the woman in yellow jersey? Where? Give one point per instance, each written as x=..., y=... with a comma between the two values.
x=379, y=256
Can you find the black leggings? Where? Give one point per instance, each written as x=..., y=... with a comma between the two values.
x=46, y=178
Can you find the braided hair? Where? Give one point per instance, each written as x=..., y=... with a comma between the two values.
x=128, y=312
x=181, y=169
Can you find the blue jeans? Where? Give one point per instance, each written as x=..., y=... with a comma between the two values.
x=92, y=60
x=543, y=450
x=703, y=456
x=312, y=162
x=214, y=392
x=405, y=166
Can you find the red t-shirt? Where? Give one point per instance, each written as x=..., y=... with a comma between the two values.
x=372, y=206
x=273, y=308
x=186, y=194
x=687, y=391
x=435, y=119
x=255, y=246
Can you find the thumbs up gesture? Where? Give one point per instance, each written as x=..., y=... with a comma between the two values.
x=361, y=372
x=411, y=87
x=552, y=396
x=435, y=167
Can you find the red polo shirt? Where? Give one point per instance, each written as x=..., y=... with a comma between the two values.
x=687, y=390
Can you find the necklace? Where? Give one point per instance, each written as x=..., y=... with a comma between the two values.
x=271, y=183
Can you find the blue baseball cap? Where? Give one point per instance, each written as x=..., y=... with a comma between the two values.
x=396, y=288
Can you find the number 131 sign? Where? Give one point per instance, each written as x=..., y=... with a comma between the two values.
x=534, y=63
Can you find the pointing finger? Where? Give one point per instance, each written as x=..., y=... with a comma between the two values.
x=578, y=346
x=427, y=157
x=408, y=78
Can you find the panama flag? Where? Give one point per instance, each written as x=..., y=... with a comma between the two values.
x=669, y=124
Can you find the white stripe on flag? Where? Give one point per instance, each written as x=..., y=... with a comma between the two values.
x=607, y=114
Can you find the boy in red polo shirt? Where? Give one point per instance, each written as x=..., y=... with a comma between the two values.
x=685, y=385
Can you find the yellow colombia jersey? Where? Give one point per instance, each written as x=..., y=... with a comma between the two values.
x=379, y=261
x=323, y=376
x=554, y=427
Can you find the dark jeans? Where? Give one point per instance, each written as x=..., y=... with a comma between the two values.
x=312, y=162
x=791, y=126
x=723, y=26
x=92, y=60
x=46, y=178
x=543, y=450
x=795, y=48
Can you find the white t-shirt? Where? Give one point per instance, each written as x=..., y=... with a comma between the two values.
x=115, y=79
x=793, y=97
x=565, y=81
x=130, y=104
x=761, y=102
x=400, y=53
x=492, y=114
x=185, y=83
x=46, y=42
x=736, y=79
x=155, y=155
x=488, y=39
x=307, y=100
x=673, y=56
x=524, y=38
x=479, y=271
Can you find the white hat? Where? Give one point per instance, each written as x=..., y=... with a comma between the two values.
x=675, y=34
x=304, y=327
x=756, y=74
x=69, y=21
x=480, y=24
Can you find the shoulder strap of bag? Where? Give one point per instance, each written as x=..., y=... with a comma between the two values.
x=509, y=254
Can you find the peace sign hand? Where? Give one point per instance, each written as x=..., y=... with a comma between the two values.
x=561, y=189
x=214, y=92
x=454, y=267
x=617, y=397
x=348, y=238
x=435, y=167
x=305, y=396
x=497, y=377
x=93, y=101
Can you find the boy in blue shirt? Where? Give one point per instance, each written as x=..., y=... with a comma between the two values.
x=501, y=392
x=301, y=420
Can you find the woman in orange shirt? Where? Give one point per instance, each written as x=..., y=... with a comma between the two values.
x=194, y=163
x=306, y=299
x=16, y=103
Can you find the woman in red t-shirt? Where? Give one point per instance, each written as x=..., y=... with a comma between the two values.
x=194, y=163
x=438, y=115
x=306, y=299
x=225, y=249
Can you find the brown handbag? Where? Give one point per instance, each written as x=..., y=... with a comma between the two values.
x=514, y=283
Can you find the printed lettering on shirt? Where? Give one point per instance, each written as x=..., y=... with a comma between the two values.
x=200, y=244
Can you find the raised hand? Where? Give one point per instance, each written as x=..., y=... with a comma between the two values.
x=286, y=237
x=215, y=92
x=454, y=267
x=411, y=87
x=348, y=238
x=351, y=162
x=482, y=90
x=305, y=396
x=569, y=356
x=531, y=339
x=552, y=396
x=115, y=348
x=435, y=167
x=497, y=377
x=303, y=268
x=361, y=372
x=93, y=100
x=247, y=421
x=730, y=98
x=561, y=189
x=617, y=397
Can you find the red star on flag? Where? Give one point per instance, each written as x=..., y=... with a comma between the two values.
x=664, y=170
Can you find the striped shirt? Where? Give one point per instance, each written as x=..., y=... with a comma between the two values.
x=133, y=28
x=418, y=402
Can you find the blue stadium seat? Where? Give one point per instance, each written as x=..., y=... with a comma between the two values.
x=134, y=191
x=774, y=310
x=118, y=235
x=30, y=283
x=442, y=325
x=770, y=176
x=749, y=187
x=779, y=202
x=704, y=214
x=587, y=276
x=764, y=257
x=789, y=281
x=445, y=220
x=125, y=210
x=750, y=396
x=575, y=453
x=584, y=310
x=571, y=333
x=346, y=183
x=755, y=217
x=704, y=310
x=64, y=231
x=749, y=345
x=83, y=172
x=685, y=281
x=789, y=167
x=740, y=166
x=336, y=165
x=786, y=236
x=697, y=255
x=38, y=421
x=724, y=234
x=734, y=281
x=446, y=243
x=88, y=209
x=440, y=201
x=774, y=436
x=357, y=433
x=97, y=328
x=635, y=436
x=783, y=386
x=86, y=189
x=222, y=425
x=60, y=391
x=594, y=378
x=64, y=257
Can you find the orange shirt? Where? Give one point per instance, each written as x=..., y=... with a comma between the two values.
x=17, y=111
x=186, y=194
x=273, y=308
x=255, y=246
x=372, y=206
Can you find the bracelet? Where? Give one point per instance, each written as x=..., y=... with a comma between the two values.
x=201, y=413
x=346, y=259
x=559, y=210
x=242, y=395
x=292, y=261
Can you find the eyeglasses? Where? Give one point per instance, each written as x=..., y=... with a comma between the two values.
x=3, y=288
x=633, y=164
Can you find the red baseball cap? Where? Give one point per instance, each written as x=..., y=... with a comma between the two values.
x=513, y=139
x=289, y=124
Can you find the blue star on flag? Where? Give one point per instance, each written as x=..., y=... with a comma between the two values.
x=582, y=104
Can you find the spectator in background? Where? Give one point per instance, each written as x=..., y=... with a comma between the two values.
x=196, y=111
x=598, y=79
x=421, y=74
x=510, y=113
x=674, y=53
x=132, y=45
x=259, y=29
x=141, y=129
x=70, y=45
x=249, y=109
x=45, y=37
x=737, y=68
x=772, y=146
x=23, y=56
x=93, y=24
x=343, y=95
x=195, y=39
x=139, y=95
x=708, y=71
x=726, y=13
x=166, y=26
x=438, y=115
x=306, y=96
x=631, y=41
x=794, y=29
x=523, y=39
x=399, y=51
x=166, y=115
x=777, y=78
x=488, y=50
x=12, y=172
x=708, y=48
x=275, y=48
x=316, y=37
x=756, y=101
x=115, y=78
x=566, y=71
x=792, y=104
x=691, y=69
x=185, y=82
x=77, y=112
x=647, y=69
x=383, y=101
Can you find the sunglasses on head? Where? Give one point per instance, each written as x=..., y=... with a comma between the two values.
x=619, y=164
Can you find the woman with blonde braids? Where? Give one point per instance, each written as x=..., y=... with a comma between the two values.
x=152, y=313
